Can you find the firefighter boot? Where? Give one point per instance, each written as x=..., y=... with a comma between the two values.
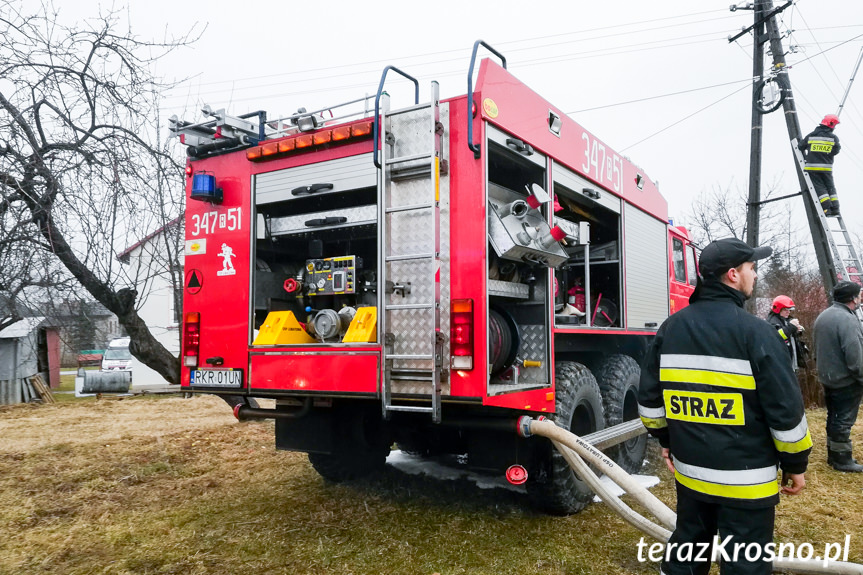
x=842, y=461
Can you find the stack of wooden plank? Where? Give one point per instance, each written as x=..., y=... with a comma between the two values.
x=42, y=389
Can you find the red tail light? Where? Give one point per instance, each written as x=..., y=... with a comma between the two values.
x=191, y=338
x=461, y=333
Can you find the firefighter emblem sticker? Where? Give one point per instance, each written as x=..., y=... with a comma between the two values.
x=194, y=281
x=490, y=108
x=227, y=265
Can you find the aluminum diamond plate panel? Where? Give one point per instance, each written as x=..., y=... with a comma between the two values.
x=533, y=347
x=411, y=233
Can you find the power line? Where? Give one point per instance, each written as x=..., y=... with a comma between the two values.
x=659, y=96
x=461, y=51
x=677, y=122
x=614, y=51
x=828, y=49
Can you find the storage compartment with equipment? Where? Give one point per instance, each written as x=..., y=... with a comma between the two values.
x=592, y=271
x=522, y=247
x=316, y=253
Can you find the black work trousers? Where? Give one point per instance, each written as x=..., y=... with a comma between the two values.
x=842, y=406
x=823, y=184
x=698, y=522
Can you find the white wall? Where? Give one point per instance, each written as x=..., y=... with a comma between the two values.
x=148, y=264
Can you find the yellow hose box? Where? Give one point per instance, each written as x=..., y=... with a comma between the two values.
x=363, y=326
x=281, y=328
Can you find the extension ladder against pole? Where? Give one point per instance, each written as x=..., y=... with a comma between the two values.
x=845, y=258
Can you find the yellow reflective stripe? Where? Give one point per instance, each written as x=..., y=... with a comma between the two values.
x=720, y=379
x=794, y=447
x=654, y=423
x=830, y=141
x=757, y=491
x=782, y=333
x=819, y=169
x=824, y=199
x=701, y=407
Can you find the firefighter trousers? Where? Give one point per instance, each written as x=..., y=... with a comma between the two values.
x=823, y=184
x=842, y=405
x=698, y=522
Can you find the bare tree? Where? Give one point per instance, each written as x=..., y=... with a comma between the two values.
x=80, y=160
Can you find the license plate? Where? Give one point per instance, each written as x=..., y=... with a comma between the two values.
x=217, y=377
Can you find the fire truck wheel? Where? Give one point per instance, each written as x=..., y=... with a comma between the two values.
x=618, y=378
x=553, y=486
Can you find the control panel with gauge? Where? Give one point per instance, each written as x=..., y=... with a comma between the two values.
x=332, y=276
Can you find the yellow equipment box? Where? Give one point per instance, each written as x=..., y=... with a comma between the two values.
x=281, y=328
x=363, y=326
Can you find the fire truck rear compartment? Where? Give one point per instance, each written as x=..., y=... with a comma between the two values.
x=310, y=221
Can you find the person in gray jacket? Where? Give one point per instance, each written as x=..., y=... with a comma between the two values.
x=839, y=356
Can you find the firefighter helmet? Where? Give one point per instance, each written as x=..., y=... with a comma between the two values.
x=781, y=302
x=830, y=120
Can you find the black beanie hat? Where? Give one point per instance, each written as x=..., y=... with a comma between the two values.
x=845, y=291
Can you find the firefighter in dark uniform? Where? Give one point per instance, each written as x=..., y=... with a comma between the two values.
x=718, y=392
x=819, y=148
x=789, y=329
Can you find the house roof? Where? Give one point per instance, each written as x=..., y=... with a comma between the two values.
x=125, y=254
x=21, y=327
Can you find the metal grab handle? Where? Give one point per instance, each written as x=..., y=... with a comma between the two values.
x=328, y=221
x=378, y=104
x=476, y=147
x=519, y=146
x=309, y=190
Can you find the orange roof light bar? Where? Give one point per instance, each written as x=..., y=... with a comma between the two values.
x=298, y=142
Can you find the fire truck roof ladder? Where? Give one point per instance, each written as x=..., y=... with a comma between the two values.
x=410, y=163
x=847, y=267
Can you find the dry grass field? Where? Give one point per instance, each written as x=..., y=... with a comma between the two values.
x=172, y=485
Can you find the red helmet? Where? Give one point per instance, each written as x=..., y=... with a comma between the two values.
x=830, y=120
x=781, y=302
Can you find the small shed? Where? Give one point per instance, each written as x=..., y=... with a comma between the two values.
x=27, y=347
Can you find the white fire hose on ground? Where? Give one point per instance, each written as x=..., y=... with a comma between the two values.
x=573, y=448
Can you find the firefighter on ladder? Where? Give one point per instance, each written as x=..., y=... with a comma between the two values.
x=819, y=148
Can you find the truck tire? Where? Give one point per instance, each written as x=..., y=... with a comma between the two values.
x=553, y=486
x=618, y=378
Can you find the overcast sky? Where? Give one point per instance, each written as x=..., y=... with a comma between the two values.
x=584, y=57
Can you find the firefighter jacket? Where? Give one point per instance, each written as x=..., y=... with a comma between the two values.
x=838, y=347
x=718, y=390
x=819, y=147
x=790, y=334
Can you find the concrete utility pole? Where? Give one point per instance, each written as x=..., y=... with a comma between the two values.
x=826, y=265
x=753, y=208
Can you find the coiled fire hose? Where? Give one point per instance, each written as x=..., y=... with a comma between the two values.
x=573, y=448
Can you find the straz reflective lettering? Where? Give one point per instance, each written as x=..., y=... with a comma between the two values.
x=704, y=407
x=822, y=148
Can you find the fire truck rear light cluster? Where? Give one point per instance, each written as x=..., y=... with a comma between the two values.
x=191, y=339
x=278, y=148
x=461, y=333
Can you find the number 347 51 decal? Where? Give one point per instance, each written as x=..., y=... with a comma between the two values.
x=209, y=222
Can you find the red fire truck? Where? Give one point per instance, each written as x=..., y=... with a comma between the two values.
x=424, y=275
